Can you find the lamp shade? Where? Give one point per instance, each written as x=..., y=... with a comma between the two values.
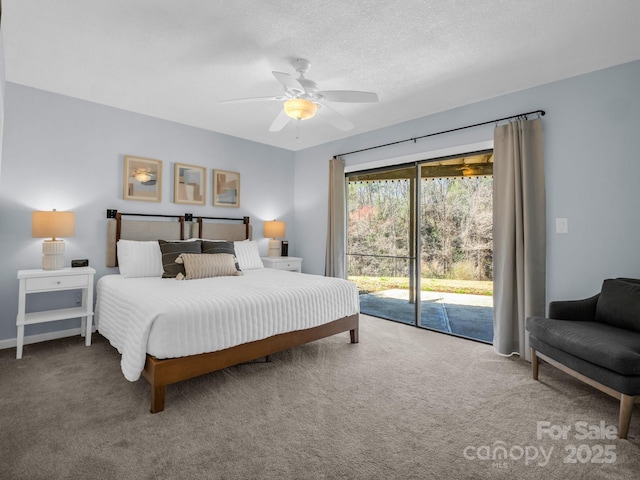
x=300, y=108
x=53, y=224
x=274, y=229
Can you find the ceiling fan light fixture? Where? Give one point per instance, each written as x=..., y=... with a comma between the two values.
x=467, y=171
x=300, y=108
x=142, y=176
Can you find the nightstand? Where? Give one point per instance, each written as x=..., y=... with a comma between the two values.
x=37, y=281
x=292, y=264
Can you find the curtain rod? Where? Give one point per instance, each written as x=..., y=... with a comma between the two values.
x=539, y=112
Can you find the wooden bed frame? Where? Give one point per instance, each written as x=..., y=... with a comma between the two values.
x=162, y=372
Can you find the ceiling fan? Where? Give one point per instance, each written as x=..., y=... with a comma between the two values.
x=301, y=99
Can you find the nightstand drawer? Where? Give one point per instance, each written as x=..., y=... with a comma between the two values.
x=56, y=283
x=291, y=264
x=286, y=265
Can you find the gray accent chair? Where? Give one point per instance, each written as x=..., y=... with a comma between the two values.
x=596, y=340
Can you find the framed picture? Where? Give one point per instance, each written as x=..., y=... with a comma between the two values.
x=226, y=189
x=142, y=179
x=189, y=184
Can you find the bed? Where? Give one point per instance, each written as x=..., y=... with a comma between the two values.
x=168, y=330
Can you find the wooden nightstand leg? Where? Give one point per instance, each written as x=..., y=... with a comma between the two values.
x=87, y=339
x=20, y=319
x=86, y=330
x=20, y=342
x=86, y=321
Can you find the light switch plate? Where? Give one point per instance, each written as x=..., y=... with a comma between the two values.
x=562, y=225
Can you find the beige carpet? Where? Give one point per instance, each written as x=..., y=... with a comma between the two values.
x=404, y=403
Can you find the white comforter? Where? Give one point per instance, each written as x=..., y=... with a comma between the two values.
x=169, y=318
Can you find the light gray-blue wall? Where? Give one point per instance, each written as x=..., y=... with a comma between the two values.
x=592, y=162
x=68, y=154
x=65, y=153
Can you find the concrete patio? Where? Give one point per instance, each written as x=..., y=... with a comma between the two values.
x=460, y=314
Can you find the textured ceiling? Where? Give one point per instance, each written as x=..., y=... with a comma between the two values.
x=177, y=60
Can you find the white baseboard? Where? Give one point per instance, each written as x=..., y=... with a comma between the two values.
x=42, y=337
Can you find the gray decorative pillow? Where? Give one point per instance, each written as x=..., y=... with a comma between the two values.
x=220, y=247
x=206, y=265
x=619, y=304
x=171, y=250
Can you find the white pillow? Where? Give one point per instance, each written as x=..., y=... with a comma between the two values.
x=247, y=255
x=139, y=259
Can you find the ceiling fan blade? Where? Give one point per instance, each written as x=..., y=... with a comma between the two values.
x=254, y=99
x=288, y=81
x=349, y=96
x=335, y=119
x=279, y=122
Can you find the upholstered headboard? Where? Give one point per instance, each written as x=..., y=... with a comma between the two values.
x=170, y=227
x=218, y=228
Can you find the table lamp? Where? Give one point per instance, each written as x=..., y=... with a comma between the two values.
x=52, y=225
x=274, y=230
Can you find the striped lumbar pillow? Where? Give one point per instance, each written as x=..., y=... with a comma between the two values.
x=220, y=246
x=206, y=265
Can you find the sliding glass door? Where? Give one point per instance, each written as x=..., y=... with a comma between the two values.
x=420, y=244
x=381, y=245
x=456, y=246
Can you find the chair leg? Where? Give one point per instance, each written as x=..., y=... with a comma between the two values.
x=626, y=407
x=534, y=363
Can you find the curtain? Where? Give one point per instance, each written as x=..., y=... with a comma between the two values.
x=519, y=230
x=336, y=255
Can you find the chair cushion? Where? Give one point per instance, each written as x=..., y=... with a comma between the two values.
x=619, y=304
x=604, y=345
